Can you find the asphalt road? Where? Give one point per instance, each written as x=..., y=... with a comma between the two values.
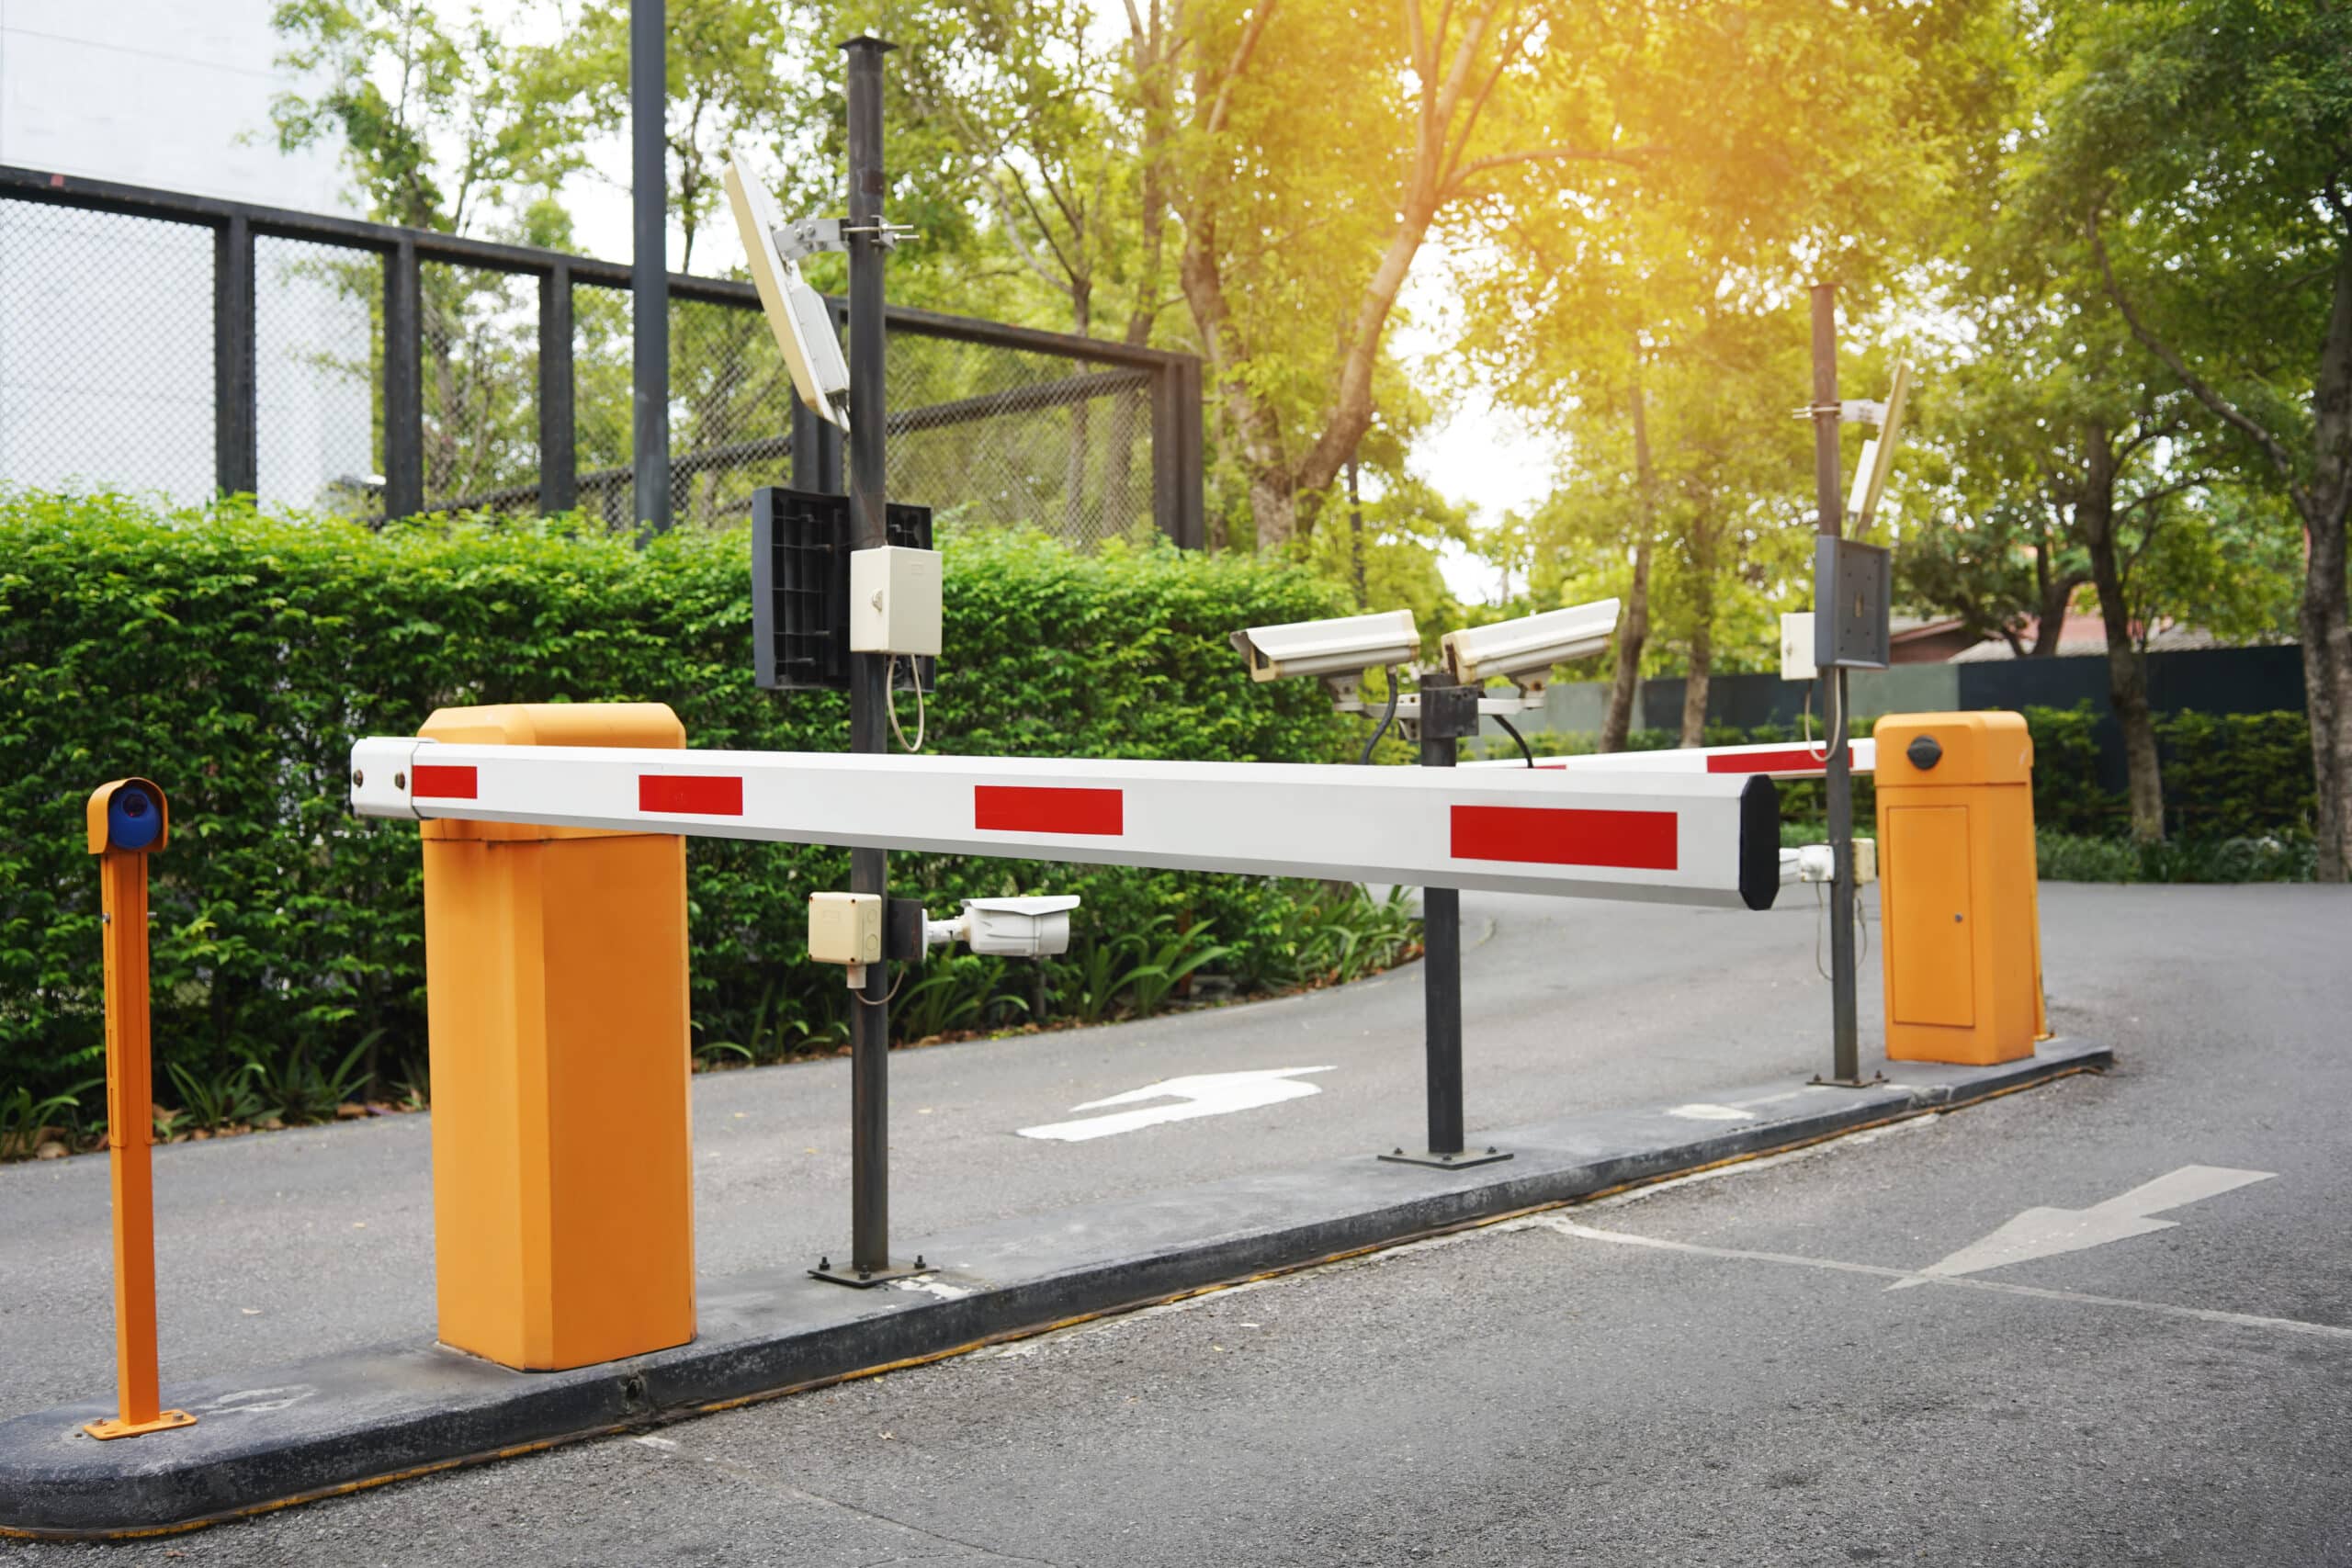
x=1718, y=1372
x=291, y=1244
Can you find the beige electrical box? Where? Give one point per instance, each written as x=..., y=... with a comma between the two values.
x=894, y=601
x=845, y=928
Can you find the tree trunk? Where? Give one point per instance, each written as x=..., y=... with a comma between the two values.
x=2326, y=628
x=1702, y=633
x=2127, y=665
x=1694, y=687
x=1634, y=628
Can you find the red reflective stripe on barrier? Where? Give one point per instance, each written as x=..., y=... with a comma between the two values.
x=1541, y=835
x=1017, y=808
x=442, y=780
x=1793, y=759
x=698, y=794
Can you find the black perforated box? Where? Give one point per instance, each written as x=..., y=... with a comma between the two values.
x=801, y=542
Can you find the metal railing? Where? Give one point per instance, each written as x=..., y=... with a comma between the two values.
x=383, y=372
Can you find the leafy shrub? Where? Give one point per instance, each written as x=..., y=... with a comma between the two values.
x=232, y=657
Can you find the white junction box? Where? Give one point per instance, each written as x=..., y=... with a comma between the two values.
x=1814, y=862
x=894, y=601
x=845, y=928
x=1796, y=646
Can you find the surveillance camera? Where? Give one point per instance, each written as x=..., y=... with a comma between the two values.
x=1338, y=651
x=1034, y=927
x=796, y=313
x=1525, y=650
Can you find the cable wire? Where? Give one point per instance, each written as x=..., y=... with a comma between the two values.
x=1386, y=720
x=891, y=692
x=1512, y=731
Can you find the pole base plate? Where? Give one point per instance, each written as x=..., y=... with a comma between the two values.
x=1817, y=1081
x=866, y=1278
x=1460, y=1159
x=114, y=1427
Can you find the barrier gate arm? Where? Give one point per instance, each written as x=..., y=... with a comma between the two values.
x=1777, y=760
x=1690, y=837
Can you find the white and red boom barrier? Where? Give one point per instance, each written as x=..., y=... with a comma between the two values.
x=1683, y=838
x=1780, y=760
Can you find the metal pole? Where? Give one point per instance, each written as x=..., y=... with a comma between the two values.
x=236, y=460
x=1448, y=713
x=649, y=259
x=869, y=692
x=131, y=1112
x=1845, y=1034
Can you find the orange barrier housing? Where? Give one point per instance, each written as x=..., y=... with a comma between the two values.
x=1960, y=922
x=556, y=997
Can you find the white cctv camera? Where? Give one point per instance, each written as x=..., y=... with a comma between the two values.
x=1523, y=651
x=1338, y=651
x=1034, y=927
x=796, y=313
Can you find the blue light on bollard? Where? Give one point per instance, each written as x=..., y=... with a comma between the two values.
x=133, y=821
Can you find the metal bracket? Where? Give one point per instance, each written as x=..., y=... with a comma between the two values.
x=809, y=237
x=1817, y=1081
x=1460, y=1159
x=866, y=1278
x=1853, y=411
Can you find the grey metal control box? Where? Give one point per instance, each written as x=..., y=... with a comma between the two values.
x=1853, y=585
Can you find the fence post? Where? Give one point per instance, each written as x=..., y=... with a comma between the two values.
x=559, y=464
x=815, y=452
x=236, y=458
x=403, y=383
x=1167, y=450
x=649, y=86
x=1192, y=516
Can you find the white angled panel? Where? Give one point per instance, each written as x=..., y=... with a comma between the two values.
x=1680, y=837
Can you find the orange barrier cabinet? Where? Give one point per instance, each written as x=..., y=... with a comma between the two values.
x=1961, y=932
x=556, y=997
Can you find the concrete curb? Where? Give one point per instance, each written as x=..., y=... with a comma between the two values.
x=321, y=1428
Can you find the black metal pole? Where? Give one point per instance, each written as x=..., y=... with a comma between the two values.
x=558, y=454
x=403, y=382
x=649, y=260
x=236, y=449
x=869, y=673
x=1845, y=1033
x=1448, y=713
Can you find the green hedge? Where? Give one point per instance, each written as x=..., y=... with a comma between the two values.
x=232, y=657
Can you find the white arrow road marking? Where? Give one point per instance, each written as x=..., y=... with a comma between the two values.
x=2045, y=1233
x=1202, y=1094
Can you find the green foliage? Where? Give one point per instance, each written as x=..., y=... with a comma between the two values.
x=232, y=657
x=2279, y=857
x=2226, y=775
x=23, y=1118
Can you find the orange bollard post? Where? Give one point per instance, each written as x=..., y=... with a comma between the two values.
x=128, y=822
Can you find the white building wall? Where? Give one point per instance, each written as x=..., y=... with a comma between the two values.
x=105, y=323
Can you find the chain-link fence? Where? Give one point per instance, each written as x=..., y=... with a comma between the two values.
x=175, y=346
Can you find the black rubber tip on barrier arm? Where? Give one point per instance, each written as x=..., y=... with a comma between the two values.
x=1759, y=843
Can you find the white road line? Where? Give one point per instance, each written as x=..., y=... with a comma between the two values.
x=2203, y=1314
x=1199, y=1094
x=2046, y=1232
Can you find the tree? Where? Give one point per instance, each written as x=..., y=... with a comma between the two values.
x=2201, y=149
